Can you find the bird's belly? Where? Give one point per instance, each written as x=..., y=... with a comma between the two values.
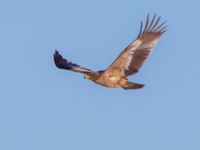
x=111, y=81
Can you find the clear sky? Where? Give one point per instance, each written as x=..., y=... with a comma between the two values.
x=44, y=108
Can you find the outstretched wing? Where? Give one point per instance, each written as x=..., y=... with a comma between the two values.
x=63, y=63
x=132, y=58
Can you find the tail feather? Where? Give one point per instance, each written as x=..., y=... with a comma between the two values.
x=131, y=85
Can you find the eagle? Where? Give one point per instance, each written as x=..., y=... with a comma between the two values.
x=129, y=61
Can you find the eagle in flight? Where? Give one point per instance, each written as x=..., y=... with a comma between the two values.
x=129, y=61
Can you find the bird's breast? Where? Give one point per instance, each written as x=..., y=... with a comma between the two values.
x=108, y=81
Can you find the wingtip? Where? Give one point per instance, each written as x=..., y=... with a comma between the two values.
x=56, y=51
x=59, y=60
x=148, y=15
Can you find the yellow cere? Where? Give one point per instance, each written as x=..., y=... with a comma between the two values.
x=87, y=76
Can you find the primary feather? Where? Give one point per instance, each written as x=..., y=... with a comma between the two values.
x=63, y=63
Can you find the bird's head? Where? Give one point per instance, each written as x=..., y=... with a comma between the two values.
x=87, y=76
x=92, y=76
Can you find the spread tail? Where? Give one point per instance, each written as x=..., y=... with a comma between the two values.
x=131, y=85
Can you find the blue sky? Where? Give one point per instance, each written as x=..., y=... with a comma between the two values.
x=43, y=108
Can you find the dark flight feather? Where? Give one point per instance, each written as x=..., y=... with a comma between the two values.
x=63, y=63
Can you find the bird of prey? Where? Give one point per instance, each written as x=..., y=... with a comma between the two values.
x=129, y=61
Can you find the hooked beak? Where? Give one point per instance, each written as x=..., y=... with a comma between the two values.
x=86, y=76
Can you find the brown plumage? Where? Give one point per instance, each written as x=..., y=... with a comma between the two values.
x=127, y=63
